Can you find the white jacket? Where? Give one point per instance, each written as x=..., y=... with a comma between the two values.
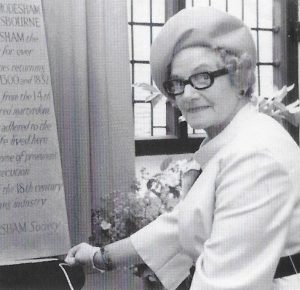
x=240, y=216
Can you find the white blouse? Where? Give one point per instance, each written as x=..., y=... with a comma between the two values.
x=240, y=216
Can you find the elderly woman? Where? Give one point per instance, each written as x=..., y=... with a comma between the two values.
x=239, y=224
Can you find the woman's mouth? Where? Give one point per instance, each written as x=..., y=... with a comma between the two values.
x=197, y=109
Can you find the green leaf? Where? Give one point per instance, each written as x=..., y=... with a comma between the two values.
x=156, y=100
x=151, y=97
x=280, y=106
x=165, y=164
x=146, y=87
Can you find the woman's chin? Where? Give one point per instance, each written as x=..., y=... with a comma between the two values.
x=199, y=122
x=196, y=125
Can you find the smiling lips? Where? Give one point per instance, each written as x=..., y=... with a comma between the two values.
x=196, y=109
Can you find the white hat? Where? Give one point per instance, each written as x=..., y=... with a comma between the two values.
x=200, y=26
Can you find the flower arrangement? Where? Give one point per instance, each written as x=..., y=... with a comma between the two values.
x=150, y=197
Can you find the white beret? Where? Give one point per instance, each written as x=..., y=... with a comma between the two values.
x=198, y=26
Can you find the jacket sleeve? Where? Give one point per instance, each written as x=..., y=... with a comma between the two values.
x=158, y=245
x=254, y=202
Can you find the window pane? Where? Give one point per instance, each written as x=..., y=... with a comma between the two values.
x=219, y=4
x=266, y=79
x=201, y=2
x=142, y=120
x=235, y=8
x=129, y=10
x=129, y=42
x=265, y=13
x=250, y=12
x=188, y=3
x=130, y=69
x=141, y=42
x=257, y=85
x=155, y=31
x=159, y=114
x=199, y=132
x=141, y=75
x=254, y=36
x=141, y=10
x=265, y=46
x=190, y=130
x=159, y=132
x=158, y=11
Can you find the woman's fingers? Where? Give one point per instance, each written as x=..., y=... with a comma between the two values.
x=81, y=254
x=71, y=256
x=70, y=260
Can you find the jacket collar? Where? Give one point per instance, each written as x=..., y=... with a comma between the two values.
x=209, y=147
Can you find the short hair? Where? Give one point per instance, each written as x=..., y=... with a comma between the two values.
x=242, y=71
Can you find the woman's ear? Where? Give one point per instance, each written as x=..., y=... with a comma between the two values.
x=244, y=75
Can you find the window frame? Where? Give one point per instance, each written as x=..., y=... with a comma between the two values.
x=285, y=63
x=177, y=140
x=285, y=53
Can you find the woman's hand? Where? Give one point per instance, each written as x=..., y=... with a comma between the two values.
x=120, y=253
x=81, y=254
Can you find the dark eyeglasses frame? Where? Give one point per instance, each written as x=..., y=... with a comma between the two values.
x=212, y=75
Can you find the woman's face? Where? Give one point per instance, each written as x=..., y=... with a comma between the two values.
x=212, y=108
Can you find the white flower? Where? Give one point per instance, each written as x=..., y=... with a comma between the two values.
x=105, y=225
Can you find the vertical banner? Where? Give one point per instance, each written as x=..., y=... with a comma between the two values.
x=33, y=218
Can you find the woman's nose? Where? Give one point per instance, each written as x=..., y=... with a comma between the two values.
x=189, y=92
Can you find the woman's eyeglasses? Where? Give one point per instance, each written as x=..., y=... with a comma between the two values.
x=199, y=81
